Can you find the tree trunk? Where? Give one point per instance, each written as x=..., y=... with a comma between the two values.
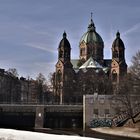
x=133, y=120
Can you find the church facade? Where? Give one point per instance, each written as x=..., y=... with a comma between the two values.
x=91, y=73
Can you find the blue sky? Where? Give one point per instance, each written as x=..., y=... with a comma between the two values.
x=30, y=30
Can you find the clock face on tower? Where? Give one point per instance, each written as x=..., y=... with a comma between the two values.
x=114, y=64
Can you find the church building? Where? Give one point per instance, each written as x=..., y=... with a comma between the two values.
x=91, y=73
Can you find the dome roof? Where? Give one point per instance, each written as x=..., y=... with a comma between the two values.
x=64, y=42
x=91, y=36
x=118, y=42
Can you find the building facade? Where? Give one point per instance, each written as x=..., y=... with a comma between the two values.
x=88, y=74
x=14, y=90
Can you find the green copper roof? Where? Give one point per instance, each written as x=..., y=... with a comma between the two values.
x=91, y=37
x=118, y=42
x=90, y=63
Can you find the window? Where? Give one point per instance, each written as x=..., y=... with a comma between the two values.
x=121, y=54
x=114, y=76
x=60, y=53
x=67, y=54
x=66, y=78
x=91, y=63
x=115, y=54
x=95, y=111
x=106, y=111
x=91, y=100
x=82, y=51
x=59, y=76
x=102, y=101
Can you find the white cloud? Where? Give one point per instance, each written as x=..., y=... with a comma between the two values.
x=132, y=29
x=41, y=47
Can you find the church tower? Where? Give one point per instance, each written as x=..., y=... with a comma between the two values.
x=91, y=44
x=118, y=65
x=64, y=71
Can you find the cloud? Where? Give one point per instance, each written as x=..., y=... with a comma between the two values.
x=41, y=47
x=132, y=29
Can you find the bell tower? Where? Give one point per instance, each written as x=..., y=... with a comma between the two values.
x=118, y=65
x=64, y=71
x=64, y=49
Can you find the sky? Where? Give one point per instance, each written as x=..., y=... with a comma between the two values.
x=30, y=30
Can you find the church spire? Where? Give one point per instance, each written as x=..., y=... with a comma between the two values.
x=118, y=34
x=64, y=34
x=91, y=26
x=64, y=49
x=91, y=17
x=118, y=49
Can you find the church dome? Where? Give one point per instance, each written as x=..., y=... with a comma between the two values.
x=91, y=36
x=64, y=43
x=118, y=43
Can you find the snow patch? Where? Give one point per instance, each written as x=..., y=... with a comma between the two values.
x=10, y=134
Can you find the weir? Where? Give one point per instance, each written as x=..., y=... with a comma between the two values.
x=40, y=116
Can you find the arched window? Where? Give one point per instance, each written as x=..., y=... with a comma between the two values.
x=60, y=53
x=115, y=54
x=114, y=76
x=121, y=54
x=82, y=51
x=66, y=77
x=59, y=76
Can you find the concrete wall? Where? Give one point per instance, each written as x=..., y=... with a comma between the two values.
x=98, y=107
x=39, y=119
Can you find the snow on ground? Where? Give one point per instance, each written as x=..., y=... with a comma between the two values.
x=120, y=131
x=10, y=134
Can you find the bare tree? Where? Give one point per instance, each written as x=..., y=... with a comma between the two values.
x=41, y=82
x=50, y=81
x=44, y=88
x=135, y=71
x=41, y=78
x=129, y=88
x=125, y=99
x=13, y=72
x=95, y=81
